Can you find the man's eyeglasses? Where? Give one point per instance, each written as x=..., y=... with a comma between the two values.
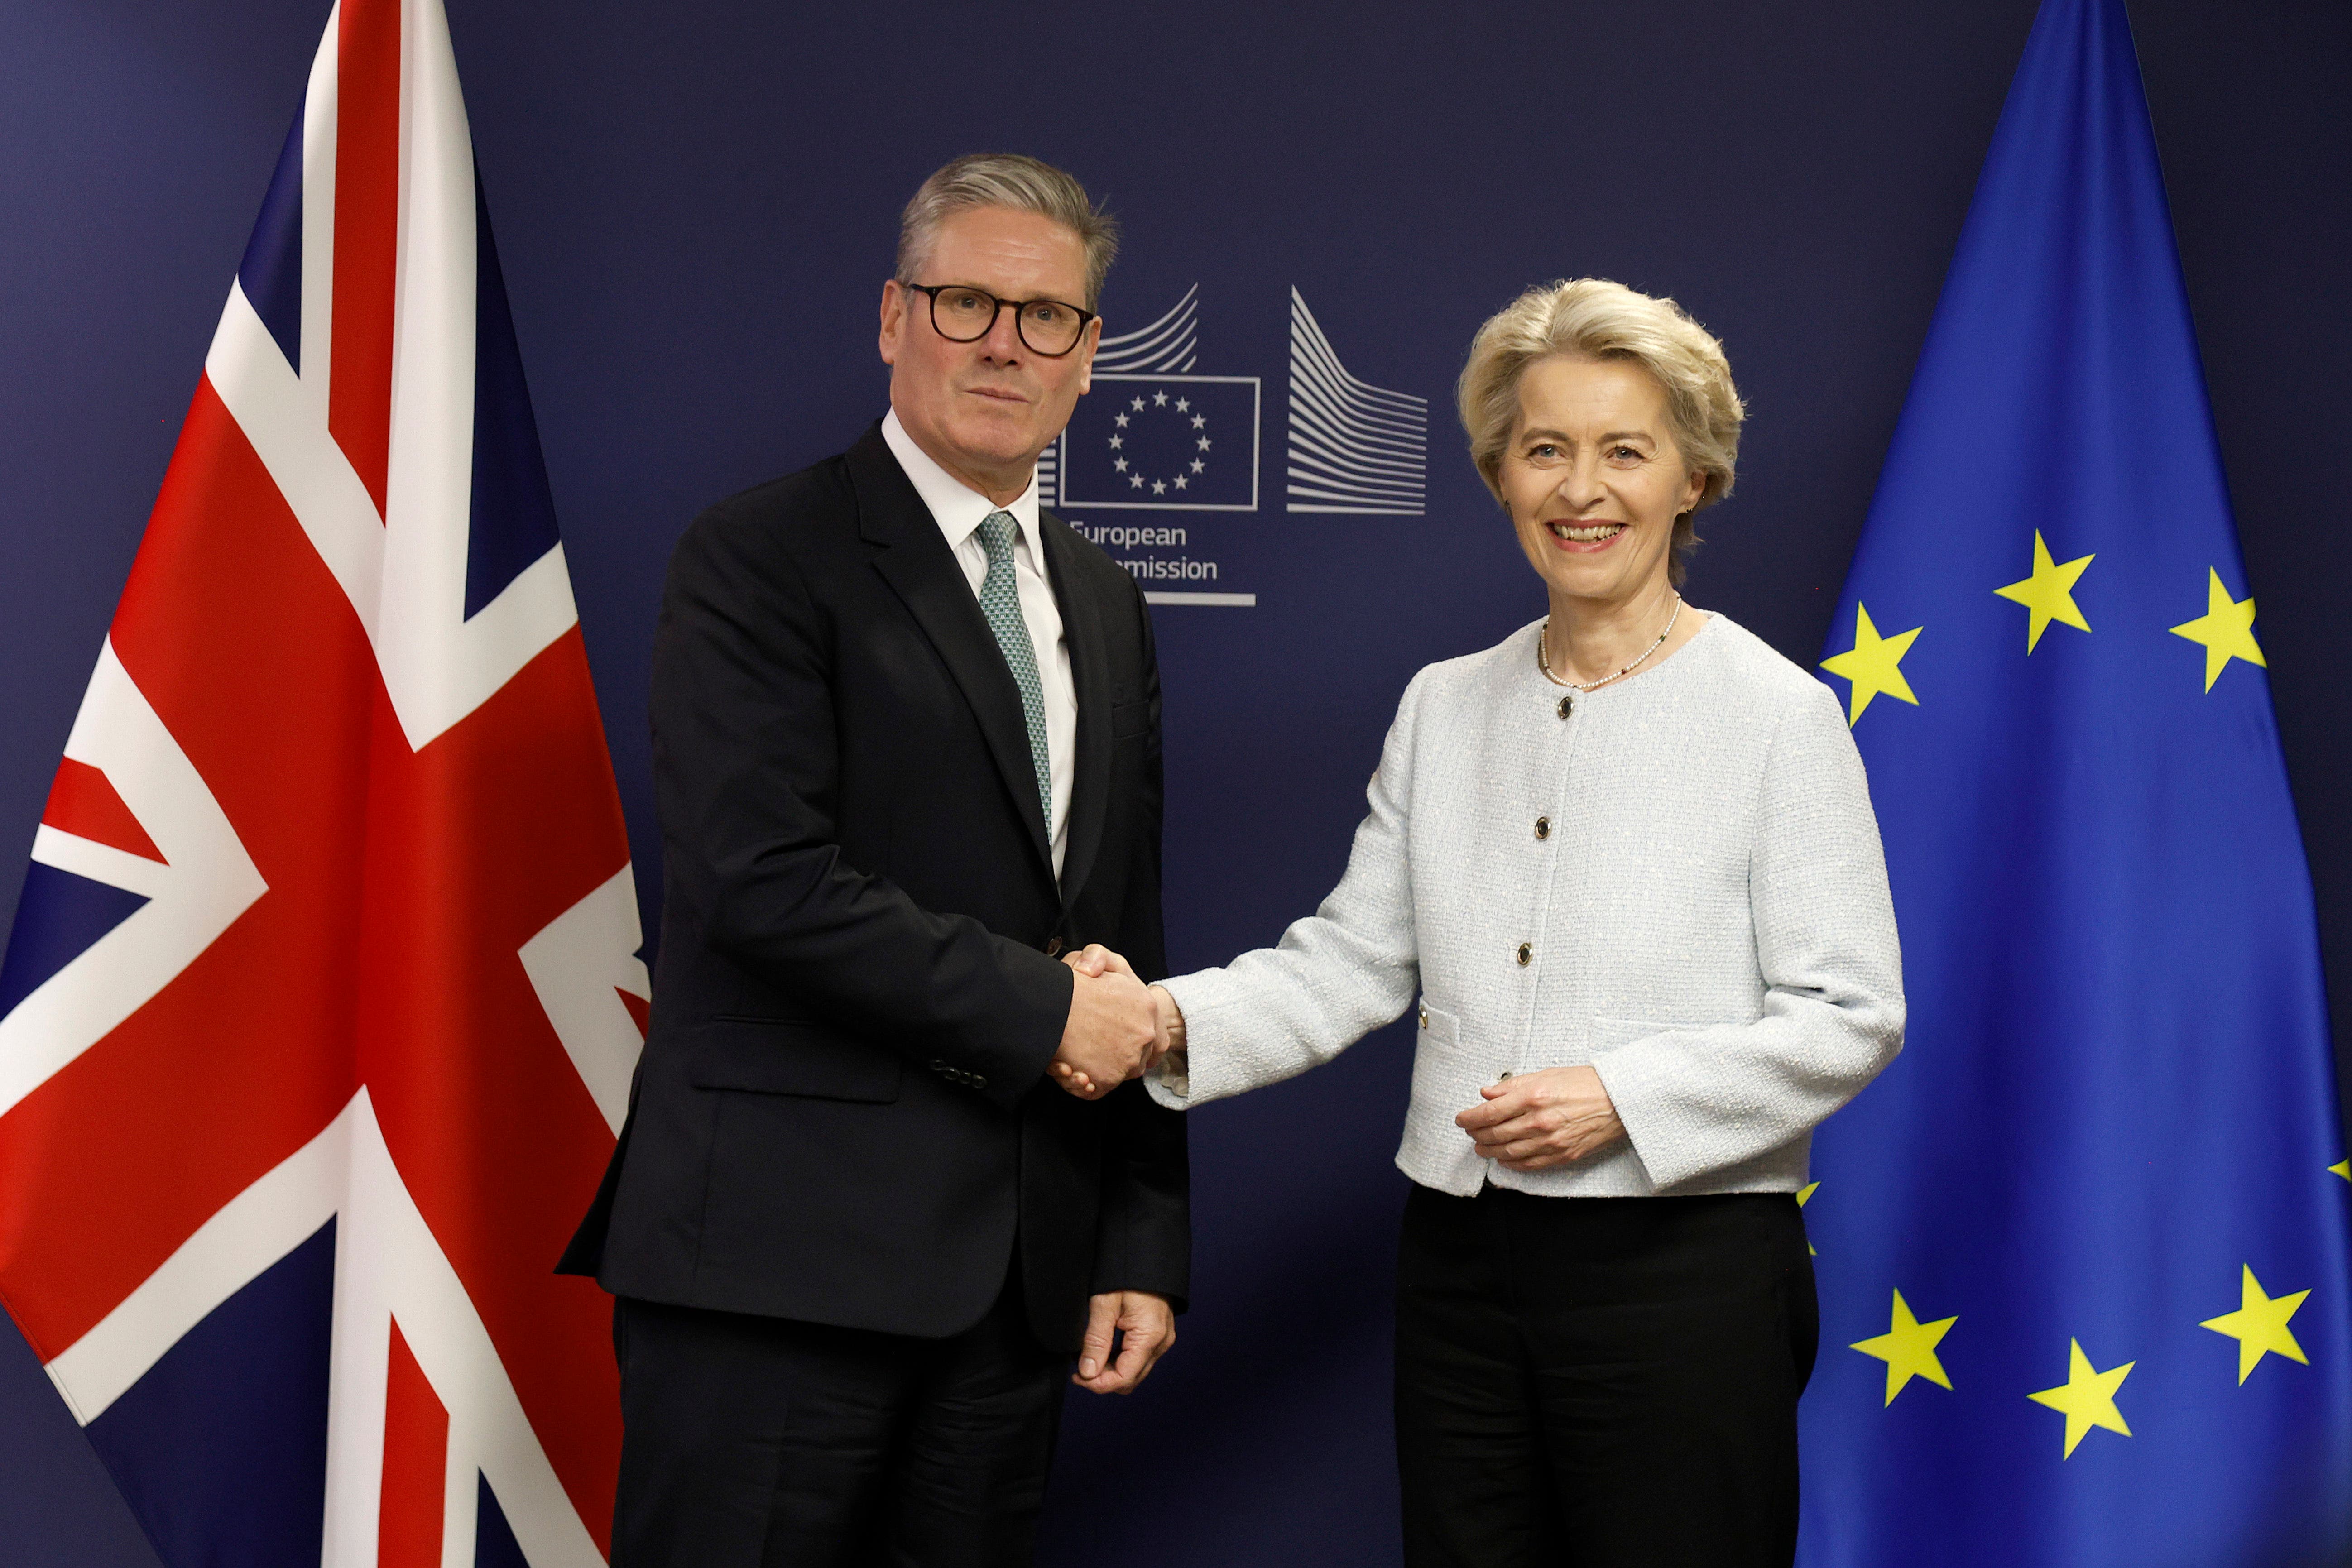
x=962, y=314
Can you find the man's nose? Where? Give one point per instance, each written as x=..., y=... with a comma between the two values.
x=1004, y=343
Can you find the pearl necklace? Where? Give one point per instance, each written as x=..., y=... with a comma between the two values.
x=1543, y=659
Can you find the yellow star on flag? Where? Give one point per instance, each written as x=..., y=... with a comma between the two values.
x=2341, y=1168
x=1908, y=1348
x=2049, y=594
x=1804, y=1196
x=2226, y=628
x=2259, y=1325
x=1873, y=664
x=2088, y=1398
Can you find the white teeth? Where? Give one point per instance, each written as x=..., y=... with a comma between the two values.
x=1588, y=533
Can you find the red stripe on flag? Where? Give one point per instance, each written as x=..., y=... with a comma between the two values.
x=402, y=885
x=231, y=626
x=415, y=1464
x=639, y=1008
x=367, y=235
x=83, y=803
x=475, y=843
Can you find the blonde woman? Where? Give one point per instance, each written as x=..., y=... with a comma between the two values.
x=1627, y=861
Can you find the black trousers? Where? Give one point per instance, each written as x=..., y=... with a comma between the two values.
x=753, y=1442
x=1601, y=1383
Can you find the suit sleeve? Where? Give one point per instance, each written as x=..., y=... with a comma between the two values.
x=747, y=775
x=1145, y=1241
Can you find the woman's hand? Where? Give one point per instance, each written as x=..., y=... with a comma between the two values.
x=1538, y=1120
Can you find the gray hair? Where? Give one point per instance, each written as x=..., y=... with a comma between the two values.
x=1599, y=320
x=1006, y=180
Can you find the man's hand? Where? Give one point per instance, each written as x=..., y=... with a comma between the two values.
x=1146, y=1325
x=1112, y=1035
x=1542, y=1119
x=1094, y=961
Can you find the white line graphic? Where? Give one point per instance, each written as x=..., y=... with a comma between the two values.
x=1169, y=343
x=1354, y=447
x=1049, y=466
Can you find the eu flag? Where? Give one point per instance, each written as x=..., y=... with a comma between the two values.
x=2083, y=1248
x=1163, y=443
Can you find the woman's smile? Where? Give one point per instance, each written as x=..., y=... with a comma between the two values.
x=1588, y=537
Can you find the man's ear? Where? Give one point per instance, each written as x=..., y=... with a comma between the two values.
x=894, y=320
x=1091, y=341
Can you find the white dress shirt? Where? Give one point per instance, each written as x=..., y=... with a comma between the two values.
x=960, y=509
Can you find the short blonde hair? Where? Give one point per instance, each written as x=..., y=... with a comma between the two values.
x=1601, y=320
x=1006, y=180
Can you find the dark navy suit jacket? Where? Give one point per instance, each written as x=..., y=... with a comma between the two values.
x=842, y=1114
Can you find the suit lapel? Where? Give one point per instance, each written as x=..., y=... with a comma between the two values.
x=1090, y=673
x=922, y=571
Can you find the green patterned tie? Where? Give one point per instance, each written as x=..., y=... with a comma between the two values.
x=1000, y=601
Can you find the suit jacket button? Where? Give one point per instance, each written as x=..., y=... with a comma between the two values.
x=1053, y=947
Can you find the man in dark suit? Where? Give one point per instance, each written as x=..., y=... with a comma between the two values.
x=907, y=752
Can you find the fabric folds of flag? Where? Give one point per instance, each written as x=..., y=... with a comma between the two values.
x=319, y=1012
x=2083, y=1248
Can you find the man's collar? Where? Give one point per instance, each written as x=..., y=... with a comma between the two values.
x=954, y=505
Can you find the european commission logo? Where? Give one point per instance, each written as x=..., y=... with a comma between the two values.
x=1168, y=442
x=1156, y=436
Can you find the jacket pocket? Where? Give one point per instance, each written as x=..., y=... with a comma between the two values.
x=1129, y=720
x=776, y=1057
x=1446, y=1077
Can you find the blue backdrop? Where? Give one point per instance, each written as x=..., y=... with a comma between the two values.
x=696, y=206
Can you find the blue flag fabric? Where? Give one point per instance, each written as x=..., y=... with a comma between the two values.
x=2083, y=1254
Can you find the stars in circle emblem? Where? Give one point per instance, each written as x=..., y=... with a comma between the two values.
x=1143, y=420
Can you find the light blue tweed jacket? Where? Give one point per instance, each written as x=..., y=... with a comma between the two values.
x=1679, y=883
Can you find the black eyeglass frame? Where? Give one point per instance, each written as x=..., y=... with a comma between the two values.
x=935, y=289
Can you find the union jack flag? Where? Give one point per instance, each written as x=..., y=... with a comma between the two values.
x=320, y=1010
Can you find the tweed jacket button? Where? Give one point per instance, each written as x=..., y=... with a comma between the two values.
x=1566, y=706
x=1424, y=1017
x=1543, y=827
x=1053, y=947
x=1527, y=951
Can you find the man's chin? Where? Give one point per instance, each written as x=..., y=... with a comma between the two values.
x=999, y=443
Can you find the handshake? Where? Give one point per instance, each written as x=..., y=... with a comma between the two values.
x=1119, y=1027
